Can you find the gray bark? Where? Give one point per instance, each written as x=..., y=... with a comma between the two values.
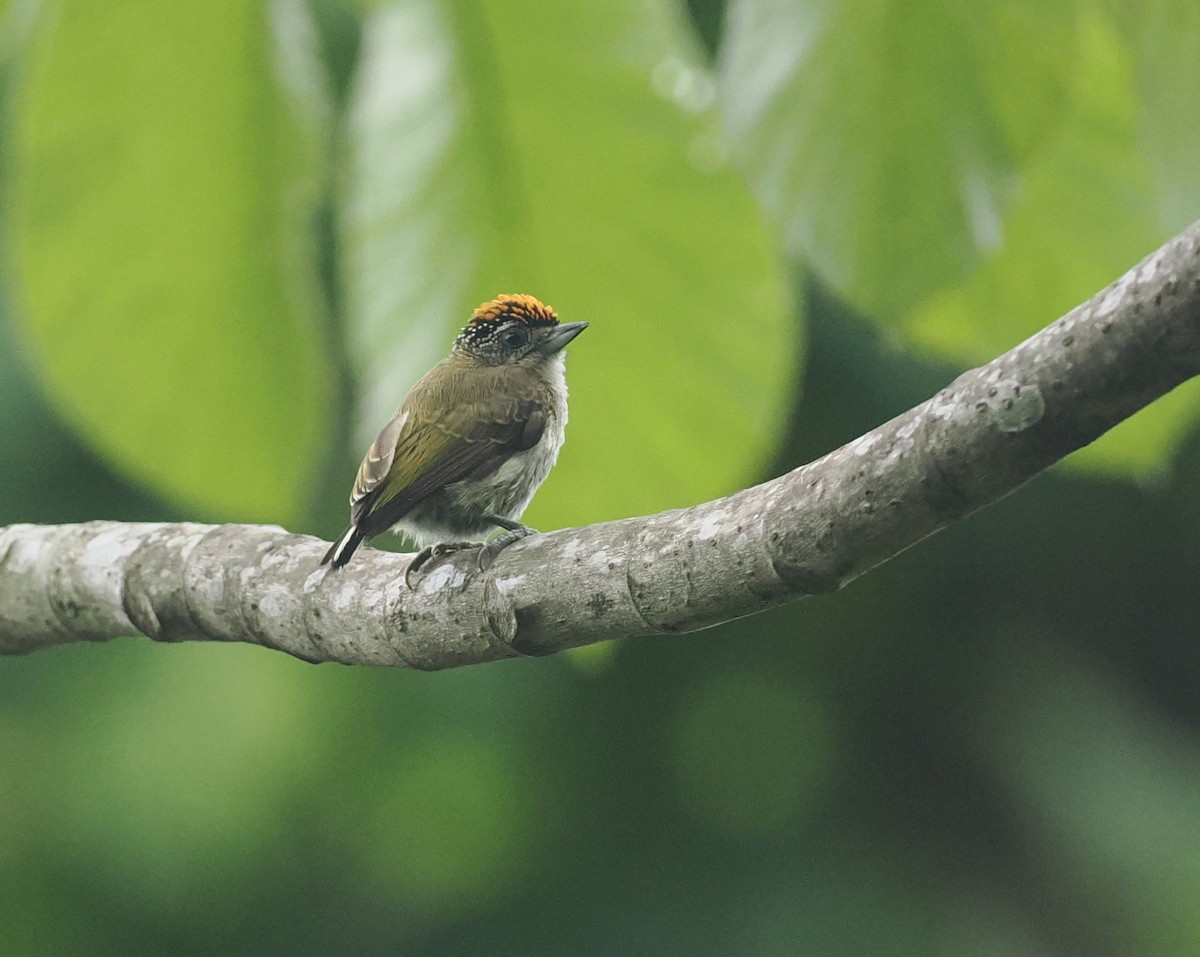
x=807, y=532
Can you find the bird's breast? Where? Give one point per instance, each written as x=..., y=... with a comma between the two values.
x=509, y=489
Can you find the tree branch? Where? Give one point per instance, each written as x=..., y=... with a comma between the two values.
x=807, y=532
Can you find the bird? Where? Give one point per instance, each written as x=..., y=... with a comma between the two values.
x=471, y=442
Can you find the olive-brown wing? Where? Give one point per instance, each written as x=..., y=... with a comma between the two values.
x=428, y=457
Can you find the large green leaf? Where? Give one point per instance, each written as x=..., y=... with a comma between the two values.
x=1088, y=212
x=161, y=184
x=567, y=150
x=886, y=135
x=1167, y=51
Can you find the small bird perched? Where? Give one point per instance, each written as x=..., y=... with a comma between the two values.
x=473, y=439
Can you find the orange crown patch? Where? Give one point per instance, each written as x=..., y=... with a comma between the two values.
x=518, y=306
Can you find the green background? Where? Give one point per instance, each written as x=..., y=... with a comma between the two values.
x=234, y=233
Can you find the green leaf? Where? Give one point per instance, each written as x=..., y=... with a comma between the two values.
x=1088, y=212
x=161, y=186
x=1167, y=51
x=568, y=151
x=885, y=135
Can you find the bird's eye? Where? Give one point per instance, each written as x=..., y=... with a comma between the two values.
x=514, y=338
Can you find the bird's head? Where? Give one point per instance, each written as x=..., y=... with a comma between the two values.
x=514, y=329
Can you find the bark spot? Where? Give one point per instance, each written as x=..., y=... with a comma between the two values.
x=599, y=605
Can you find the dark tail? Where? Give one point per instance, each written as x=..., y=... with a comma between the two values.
x=341, y=551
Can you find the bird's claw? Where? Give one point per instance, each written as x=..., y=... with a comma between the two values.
x=487, y=551
x=431, y=553
x=491, y=549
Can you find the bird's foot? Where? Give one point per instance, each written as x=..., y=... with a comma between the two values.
x=431, y=553
x=513, y=532
x=491, y=549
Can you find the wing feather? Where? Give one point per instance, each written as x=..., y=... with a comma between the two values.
x=407, y=463
x=378, y=460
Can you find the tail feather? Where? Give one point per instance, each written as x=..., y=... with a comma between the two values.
x=343, y=549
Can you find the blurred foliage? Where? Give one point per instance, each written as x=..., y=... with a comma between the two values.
x=472, y=179
x=886, y=137
x=237, y=231
x=1090, y=206
x=159, y=193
